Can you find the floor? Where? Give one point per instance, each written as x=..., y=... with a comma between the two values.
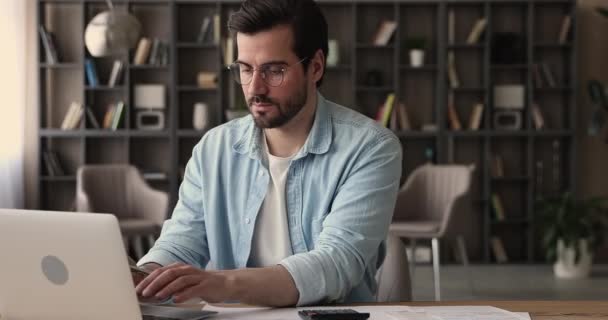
x=509, y=282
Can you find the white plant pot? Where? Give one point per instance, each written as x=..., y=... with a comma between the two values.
x=200, y=116
x=565, y=267
x=234, y=114
x=416, y=58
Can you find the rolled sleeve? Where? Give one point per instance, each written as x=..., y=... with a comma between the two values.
x=354, y=229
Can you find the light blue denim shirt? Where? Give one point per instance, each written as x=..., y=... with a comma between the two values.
x=340, y=195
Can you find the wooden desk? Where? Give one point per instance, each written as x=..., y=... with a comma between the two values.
x=539, y=310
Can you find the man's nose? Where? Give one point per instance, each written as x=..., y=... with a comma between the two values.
x=257, y=86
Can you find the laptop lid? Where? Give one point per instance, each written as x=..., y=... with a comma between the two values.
x=60, y=265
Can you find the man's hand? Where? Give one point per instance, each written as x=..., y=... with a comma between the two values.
x=184, y=282
x=138, y=274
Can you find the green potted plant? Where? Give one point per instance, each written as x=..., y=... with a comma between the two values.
x=572, y=230
x=416, y=46
x=239, y=106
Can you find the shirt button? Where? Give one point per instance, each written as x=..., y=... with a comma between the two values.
x=247, y=221
x=261, y=173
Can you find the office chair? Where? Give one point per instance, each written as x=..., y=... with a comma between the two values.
x=393, y=277
x=425, y=209
x=120, y=189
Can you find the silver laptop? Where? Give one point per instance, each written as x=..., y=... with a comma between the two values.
x=60, y=265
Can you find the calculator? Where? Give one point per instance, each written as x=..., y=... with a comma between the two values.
x=332, y=314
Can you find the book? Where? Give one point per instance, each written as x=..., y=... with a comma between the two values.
x=154, y=51
x=56, y=163
x=108, y=116
x=497, y=168
x=537, y=117
x=229, y=51
x=475, y=119
x=499, y=209
x=388, y=109
x=452, y=114
x=71, y=120
x=65, y=123
x=452, y=73
x=50, y=171
x=404, y=119
x=48, y=43
x=116, y=73
x=217, y=27
x=384, y=32
x=91, y=72
x=549, y=76
x=565, y=29
x=92, y=120
x=477, y=31
x=500, y=254
x=117, y=116
x=203, y=34
x=142, y=51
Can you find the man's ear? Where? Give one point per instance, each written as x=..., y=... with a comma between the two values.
x=317, y=65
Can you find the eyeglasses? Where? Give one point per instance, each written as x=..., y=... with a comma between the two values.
x=272, y=73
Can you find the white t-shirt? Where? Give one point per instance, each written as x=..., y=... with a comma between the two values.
x=271, y=242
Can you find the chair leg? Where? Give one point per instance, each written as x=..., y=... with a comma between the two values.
x=436, y=279
x=412, y=258
x=137, y=246
x=462, y=249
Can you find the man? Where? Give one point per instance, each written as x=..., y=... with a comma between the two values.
x=290, y=205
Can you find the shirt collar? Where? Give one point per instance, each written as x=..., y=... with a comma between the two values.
x=318, y=141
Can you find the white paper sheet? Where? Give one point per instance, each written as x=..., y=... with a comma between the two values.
x=376, y=313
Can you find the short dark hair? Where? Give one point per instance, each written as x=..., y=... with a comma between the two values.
x=307, y=23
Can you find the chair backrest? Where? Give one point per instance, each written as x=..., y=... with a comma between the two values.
x=108, y=188
x=436, y=189
x=393, y=277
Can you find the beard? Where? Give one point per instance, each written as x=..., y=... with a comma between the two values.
x=286, y=111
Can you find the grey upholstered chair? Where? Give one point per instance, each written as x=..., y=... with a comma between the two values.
x=426, y=207
x=121, y=190
x=393, y=277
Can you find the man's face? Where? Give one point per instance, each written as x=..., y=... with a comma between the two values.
x=271, y=50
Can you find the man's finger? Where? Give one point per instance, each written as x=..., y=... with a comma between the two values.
x=165, y=277
x=152, y=276
x=177, y=285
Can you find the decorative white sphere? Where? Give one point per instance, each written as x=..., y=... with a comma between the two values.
x=110, y=32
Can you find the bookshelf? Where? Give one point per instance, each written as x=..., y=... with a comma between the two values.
x=536, y=162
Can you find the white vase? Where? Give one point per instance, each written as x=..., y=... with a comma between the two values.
x=333, y=56
x=416, y=57
x=200, y=116
x=566, y=268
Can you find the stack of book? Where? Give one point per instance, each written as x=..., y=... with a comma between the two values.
x=113, y=115
x=52, y=163
x=210, y=29
x=393, y=114
x=71, y=120
x=152, y=52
